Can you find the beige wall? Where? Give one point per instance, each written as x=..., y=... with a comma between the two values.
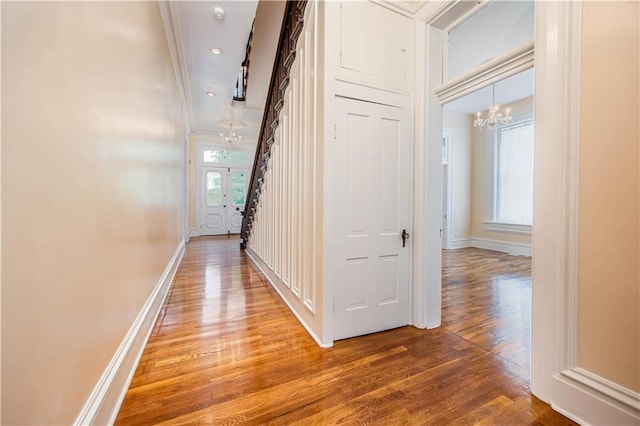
x=459, y=126
x=92, y=193
x=609, y=232
x=479, y=180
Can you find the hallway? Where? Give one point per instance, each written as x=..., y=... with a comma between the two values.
x=227, y=350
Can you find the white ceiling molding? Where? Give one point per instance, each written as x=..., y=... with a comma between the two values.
x=507, y=91
x=488, y=73
x=441, y=14
x=174, y=51
x=406, y=8
x=179, y=42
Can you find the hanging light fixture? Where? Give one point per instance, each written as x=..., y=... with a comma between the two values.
x=495, y=117
x=231, y=136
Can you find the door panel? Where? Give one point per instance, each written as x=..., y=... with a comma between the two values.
x=373, y=172
x=214, y=214
x=389, y=283
x=237, y=195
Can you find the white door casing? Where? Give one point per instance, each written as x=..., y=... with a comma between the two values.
x=224, y=191
x=213, y=201
x=446, y=189
x=228, y=159
x=372, y=207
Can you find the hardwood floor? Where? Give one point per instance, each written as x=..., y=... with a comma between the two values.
x=226, y=350
x=486, y=299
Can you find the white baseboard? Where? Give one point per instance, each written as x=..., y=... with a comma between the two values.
x=520, y=249
x=193, y=232
x=273, y=278
x=592, y=400
x=459, y=243
x=106, y=398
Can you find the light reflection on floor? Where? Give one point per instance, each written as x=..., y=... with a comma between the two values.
x=486, y=299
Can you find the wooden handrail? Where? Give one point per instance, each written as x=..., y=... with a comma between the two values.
x=291, y=29
x=240, y=91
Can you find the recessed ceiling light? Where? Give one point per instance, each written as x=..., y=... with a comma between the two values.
x=218, y=12
x=211, y=94
x=216, y=50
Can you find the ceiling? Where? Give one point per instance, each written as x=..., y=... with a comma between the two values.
x=509, y=90
x=197, y=31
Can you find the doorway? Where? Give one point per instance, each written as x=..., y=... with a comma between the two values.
x=557, y=56
x=221, y=188
x=488, y=201
x=373, y=182
x=225, y=191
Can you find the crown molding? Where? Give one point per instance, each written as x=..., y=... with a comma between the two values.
x=173, y=32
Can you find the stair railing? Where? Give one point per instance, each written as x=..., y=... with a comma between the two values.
x=285, y=55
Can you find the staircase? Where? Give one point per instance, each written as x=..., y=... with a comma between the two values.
x=285, y=55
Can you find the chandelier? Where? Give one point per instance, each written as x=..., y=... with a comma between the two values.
x=231, y=136
x=494, y=117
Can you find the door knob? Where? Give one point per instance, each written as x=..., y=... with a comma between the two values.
x=405, y=237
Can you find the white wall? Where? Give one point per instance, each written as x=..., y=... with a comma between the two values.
x=92, y=193
x=458, y=126
x=468, y=163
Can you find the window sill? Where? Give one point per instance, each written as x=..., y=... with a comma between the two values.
x=510, y=228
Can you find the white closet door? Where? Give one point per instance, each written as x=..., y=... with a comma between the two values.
x=371, y=209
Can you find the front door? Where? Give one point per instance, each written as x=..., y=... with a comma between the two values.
x=224, y=194
x=372, y=208
x=213, y=202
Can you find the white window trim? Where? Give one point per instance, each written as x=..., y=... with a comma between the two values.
x=205, y=146
x=490, y=223
x=509, y=228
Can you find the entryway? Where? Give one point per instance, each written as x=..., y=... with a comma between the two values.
x=225, y=191
x=222, y=189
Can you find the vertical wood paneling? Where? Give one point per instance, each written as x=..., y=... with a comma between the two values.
x=275, y=152
x=268, y=212
x=284, y=231
x=281, y=210
x=312, y=159
x=295, y=176
x=296, y=126
x=272, y=217
x=306, y=161
x=287, y=192
x=300, y=132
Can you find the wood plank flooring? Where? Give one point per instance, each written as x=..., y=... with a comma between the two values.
x=486, y=299
x=226, y=350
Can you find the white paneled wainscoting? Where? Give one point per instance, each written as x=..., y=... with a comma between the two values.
x=286, y=234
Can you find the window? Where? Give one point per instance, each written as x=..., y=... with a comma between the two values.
x=494, y=30
x=510, y=195
x=239, y=188
x=224, y=156
x=214, y=189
